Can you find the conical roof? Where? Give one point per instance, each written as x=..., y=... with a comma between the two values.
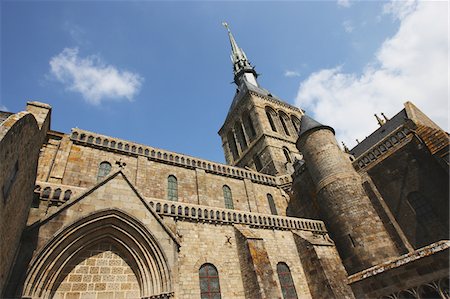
x=308, y=124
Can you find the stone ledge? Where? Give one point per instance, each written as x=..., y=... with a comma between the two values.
x=402, y=260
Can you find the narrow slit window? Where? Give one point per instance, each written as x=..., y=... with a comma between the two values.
x=286, y=282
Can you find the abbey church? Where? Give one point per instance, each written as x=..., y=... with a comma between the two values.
x=291, y=214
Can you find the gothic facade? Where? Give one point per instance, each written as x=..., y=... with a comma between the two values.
x=290, y=215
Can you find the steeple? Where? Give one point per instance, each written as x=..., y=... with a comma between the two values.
x=242, y=68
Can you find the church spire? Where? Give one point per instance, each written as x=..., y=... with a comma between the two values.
x=241, y=66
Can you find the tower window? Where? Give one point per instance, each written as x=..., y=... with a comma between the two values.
x=227, y=197
x=287, y=155
x=295, y=123
x=172, y=188
x=283, y=118
x=273, y=208
x=248, y=124
x=103, y=170
x=286, y=283
x=232, y=145
x=209, y=282
x=241, y=136
x=270, y=114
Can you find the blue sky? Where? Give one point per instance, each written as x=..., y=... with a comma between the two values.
x=159, y=73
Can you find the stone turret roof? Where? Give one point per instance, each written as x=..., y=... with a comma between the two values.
x=309, y=124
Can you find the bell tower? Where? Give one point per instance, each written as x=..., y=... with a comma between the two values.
x=260, y=129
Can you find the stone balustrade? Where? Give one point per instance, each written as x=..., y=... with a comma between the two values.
x=227, y=216
x=56, y=193
x=385, y=145
x=96, y=140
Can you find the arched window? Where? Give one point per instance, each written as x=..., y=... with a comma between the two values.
x=248, y=124
x=287, y=155
x=257, y=162
x=241, y=136
x=295, y=123
x=232, y=145
x=172, y=188
x=286, y=283
x=103, y=170
x=227, y=197
x=270, y=114
x=273, y=208
x=209, y=282
x=283, y=120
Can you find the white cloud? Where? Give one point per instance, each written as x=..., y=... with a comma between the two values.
x=3, y=108
x=343, y=3
x=411, y=65
x=95, y=80
x=348, y=26
x=289, y=73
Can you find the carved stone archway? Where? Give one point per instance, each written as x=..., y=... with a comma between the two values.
x=126, y=233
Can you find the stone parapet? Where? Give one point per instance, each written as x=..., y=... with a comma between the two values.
x=200, y=213
x=383, y=148
x=113, y=144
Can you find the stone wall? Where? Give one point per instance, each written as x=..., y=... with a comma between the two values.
x=99, y=272
x=21, y=137
x=65, y=162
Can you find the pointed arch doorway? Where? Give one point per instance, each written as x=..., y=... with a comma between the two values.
x=104, y=255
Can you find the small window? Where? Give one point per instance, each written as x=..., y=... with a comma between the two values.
x=248, y=124
x=227, y=197
x=286, y=283
x=257, y=162
x=295, y=123
x=270, y=114
x=209, y=282
x=273, y=208
x=172, y=188
x=287, y=155
x=232, y=145
x=283, y=118
x=103, y=170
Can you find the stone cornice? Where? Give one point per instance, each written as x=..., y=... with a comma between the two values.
x=103, y=142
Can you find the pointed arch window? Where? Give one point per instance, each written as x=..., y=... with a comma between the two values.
x=273, y=208
x=286, y=282
x=241, y=136
x=172, y=188
x=227, y=197
x=209, y=282
x=295, y=123
x=270, y=116
x=287, y=155
x=283, y=118
x=103, y=170
x=248, y=124
x=232, y=145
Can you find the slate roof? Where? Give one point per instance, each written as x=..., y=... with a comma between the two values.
x=309, y=124
x=395, y=122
